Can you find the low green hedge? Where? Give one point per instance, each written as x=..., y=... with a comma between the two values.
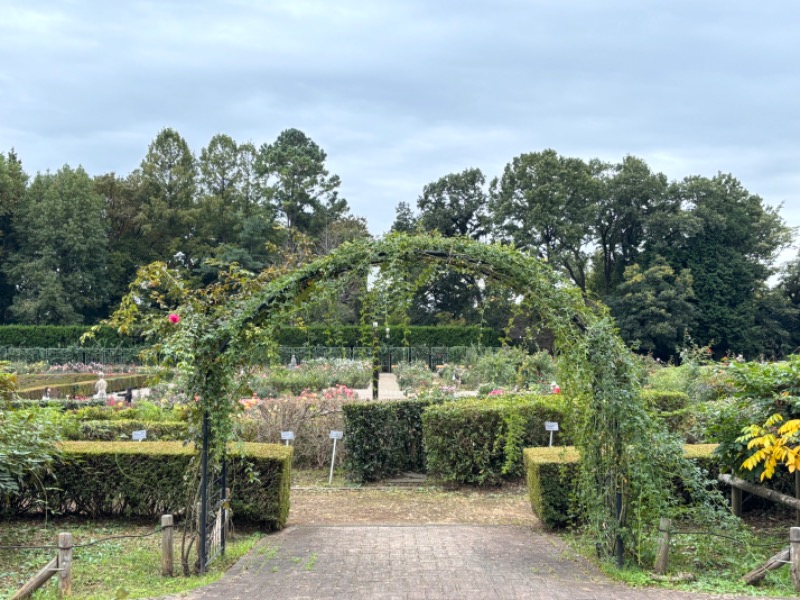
x=148, y=479
x=670, y=406
x=552, y=476
x=383, y=439
x=415, y=335
x=62, y=403
x=552, y=480
x=121, y=429
x=480, y=441
x=57, y=336
x=116, y=383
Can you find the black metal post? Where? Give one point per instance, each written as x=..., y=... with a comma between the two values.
x=619, y=537
x=376, y=362
x=202, y=550
x=224, y=496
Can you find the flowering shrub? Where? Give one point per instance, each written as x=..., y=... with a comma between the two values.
x=310, y=415
x=316, y=375
x=414, y=375
x=484, y=371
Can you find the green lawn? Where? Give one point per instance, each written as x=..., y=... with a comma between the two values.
x=116, y=568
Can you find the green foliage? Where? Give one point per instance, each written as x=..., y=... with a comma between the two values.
x=149, y=479
x=508, y=367
x=221, y=326
x=313, y=375
x=85, y=388
x=27, y=447
x=297, y=184
x=542, y=204
x=625, y=454
x=761, y=390
x=59, y=336
x=654, y=308
x=670, y=406
x=8, y=384
x=121, y=429
x=551, y=476
x=632, y=199
x=480, y=441
x=60, y=268
x=729, y=239
x=413, y=376
x=383, y=438
x=412, y=335
x=552, y=480
x=122, y=566
x=59, y=403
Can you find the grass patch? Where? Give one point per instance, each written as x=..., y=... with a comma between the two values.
x=109, y=569
x=717, y=563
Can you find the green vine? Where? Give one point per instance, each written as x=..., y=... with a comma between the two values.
x=219, y=328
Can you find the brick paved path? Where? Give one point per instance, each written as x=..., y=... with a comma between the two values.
x=459, y=562
x=413, y=562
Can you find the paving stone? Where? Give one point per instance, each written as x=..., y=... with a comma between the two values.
x=420, y=563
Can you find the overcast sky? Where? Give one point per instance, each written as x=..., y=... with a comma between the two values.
x=400, y=93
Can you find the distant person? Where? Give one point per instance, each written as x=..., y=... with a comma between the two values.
x=46, y=395
x=128, y=396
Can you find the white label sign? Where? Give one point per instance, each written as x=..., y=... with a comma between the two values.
x=550, y=426
x=138, y=436
x=336, y=435
x=287, y=435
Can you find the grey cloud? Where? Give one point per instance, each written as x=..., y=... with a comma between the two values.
x=400, y=93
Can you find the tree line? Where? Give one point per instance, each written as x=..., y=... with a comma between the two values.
x=670, y=259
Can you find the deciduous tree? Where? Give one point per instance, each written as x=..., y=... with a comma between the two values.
x=60, y=269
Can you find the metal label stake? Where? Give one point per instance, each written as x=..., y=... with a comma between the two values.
x=334, y=435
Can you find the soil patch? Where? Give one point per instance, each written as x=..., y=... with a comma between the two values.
x=426, y=505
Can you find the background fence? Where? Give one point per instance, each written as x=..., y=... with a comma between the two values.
x=431, y=355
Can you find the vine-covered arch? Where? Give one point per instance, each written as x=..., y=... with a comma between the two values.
x=600, y=375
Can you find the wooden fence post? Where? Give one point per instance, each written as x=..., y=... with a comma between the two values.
x=167, y=547
x=662, y=555
x=64, y=564
x=797, y=495
x=37, y=580
x=794, y=556
x=736, y=501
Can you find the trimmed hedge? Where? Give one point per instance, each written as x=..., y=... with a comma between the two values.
x=552, y=478
x=147, y=480
x=480, y=441
x=670, y=406
x=121, y=429
x=116, y=383
x=383, y=439
x=62, y=403
x=418, y=335
x=60, y=336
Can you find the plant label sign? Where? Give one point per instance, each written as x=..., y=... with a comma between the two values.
x=551, y=426
x=138, y=436
x=334, y=435
x=287, y=435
